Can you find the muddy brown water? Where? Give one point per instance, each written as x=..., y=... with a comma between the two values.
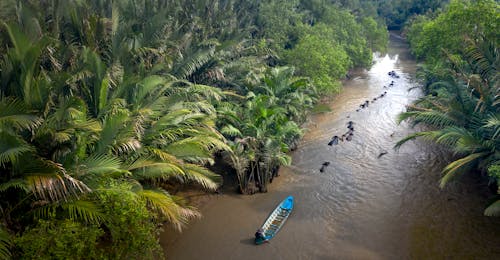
x=362, y=206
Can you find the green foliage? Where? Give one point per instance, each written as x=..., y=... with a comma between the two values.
x=494, y=171
x=277, y=20
x=60, y=239
x=474, y=19
x=326, y=48
x=5, y=244
x=494, y=208
x=376, y=35
x=397, y=12
x=267, y=125
x=348, y=33
x=461, y=83
x=132, y=233
x=316, y=57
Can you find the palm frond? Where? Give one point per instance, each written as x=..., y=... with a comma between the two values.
x=202, y=106
x=164, y=204
x=469, y=142
x=206, y=142
x=147, y=86
x=207, y=92
x=100, y=166
x=451, y=136
x=458, y=166
x=12, y=148
x=5, y=244
x=188, y=150
x=76, y=210
x=201, y=175
x=493, y=210
x=484, y=56
x=63, y=136
x=230, y=130
x=285, y=160
x=102, y=160
x=152, y=170
x=54, y=187
x=494, y=122
x=430, y=135
x=83, y=210
x=14, y=113
x=188, y=66
x=20, y=184
x=172, y=118
x=117, y=135
x=434, y=118
x=162, y=155
x=48, y=180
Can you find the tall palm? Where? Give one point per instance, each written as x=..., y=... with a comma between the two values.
x=260, y=132
x=33, y=172
x=296, y=95
x=167, y=133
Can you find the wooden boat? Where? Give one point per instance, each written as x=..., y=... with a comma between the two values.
x=275, y=220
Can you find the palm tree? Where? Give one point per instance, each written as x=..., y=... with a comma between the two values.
x=296, y=95
x=263, y=130
x=464, y=113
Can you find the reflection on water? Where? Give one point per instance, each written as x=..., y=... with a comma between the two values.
x=366, y=204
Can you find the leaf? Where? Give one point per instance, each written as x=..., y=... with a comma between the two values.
x=15, y=184
x=103, y=93
x=102, y=166
x=5, y=244
x=458, y=166
x=12, y=148
x=151, y=170
x=190, y=65
x=20, y=42
x=13, y=113
x=433, y=118
x=411, y=137
x=76, y=210
x=81, y=210
x=493, y=210
x=163, y=203
x=494, y=122
x=201, y=175
x=231, y=131
x=49, y=181
x=147, y=86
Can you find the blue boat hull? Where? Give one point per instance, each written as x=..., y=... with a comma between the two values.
x=276, y=220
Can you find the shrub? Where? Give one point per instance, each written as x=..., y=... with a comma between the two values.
x=63, y=239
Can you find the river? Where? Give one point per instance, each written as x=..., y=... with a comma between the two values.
x=362, y=206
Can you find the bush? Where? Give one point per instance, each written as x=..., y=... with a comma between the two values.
x=321, y=59
x=133, y=234
x=59, y=240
